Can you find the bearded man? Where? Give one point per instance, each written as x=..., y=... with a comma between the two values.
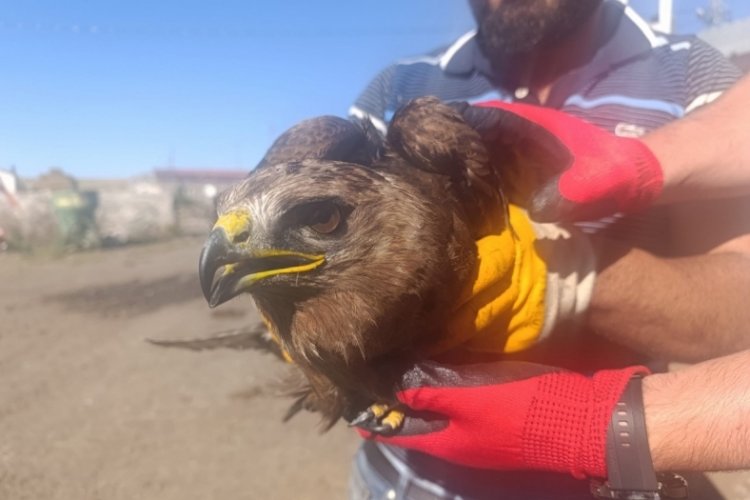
x=670, y=287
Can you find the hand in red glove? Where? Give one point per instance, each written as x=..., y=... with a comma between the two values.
x=510, y=415
x=586, y=172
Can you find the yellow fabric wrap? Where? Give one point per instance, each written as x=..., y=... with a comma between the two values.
x=503, y=311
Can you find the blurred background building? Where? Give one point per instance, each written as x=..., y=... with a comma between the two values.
x=732, y=39
x=58, y=212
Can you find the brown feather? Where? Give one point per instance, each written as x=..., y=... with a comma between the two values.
x=433, y=136
x=325, y=138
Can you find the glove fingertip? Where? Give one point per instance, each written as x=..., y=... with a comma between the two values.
x=364, y=434
x=548, y=205
x=424, y=399
x=409, y=397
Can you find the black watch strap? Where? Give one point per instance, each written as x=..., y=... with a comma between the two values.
x=629, y=462
x=629, y=466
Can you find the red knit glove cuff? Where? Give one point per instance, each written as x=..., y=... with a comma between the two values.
x=650, y=179
x=566, y=426
x=630, y=177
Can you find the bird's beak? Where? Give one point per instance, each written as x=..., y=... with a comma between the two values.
x=233, y=260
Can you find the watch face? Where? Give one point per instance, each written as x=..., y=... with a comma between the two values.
x=670, y=486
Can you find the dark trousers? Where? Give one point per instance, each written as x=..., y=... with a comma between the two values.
x=388, y=473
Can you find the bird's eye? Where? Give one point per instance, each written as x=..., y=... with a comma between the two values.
x=325, y=219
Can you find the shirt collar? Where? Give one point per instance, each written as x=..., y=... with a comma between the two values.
x=630, y=37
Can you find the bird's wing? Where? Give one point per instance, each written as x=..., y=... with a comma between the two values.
x=523, y=153
x=255, y=337
x=433, y=136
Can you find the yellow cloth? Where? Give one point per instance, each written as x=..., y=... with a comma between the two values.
x=505, y=307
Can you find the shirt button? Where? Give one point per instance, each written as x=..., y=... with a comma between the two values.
x=521, y=92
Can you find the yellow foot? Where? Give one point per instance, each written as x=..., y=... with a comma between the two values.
x=380, y=418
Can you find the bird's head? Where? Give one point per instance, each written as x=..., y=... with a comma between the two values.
x=346, y=261
x=355, y=246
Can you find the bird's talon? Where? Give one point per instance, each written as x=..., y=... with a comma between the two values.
x=379, y=410
x=362, y=420
x=379, y=419
x=386, y=428
x=394, y=419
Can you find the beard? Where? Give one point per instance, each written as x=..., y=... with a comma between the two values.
x=516, y=27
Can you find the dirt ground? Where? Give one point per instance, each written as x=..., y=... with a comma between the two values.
x=90, y=410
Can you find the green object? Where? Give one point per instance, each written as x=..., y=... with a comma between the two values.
x=75, y=213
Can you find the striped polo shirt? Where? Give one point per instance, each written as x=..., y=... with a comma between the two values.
x=637, y=81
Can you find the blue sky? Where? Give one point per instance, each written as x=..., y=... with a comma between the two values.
x=114, y=88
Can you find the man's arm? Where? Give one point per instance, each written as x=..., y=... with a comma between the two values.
x=692, y=305
x=510, y=415
x=587, y=173
x=698, y=418
x=707, y=154
x=688, y=308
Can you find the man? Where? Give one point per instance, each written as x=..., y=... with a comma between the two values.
x=697, y=418
x=600, y=61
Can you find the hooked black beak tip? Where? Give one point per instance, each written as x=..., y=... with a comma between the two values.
x=213, y=256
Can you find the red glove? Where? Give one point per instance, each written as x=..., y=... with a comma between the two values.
x=588, y=172
x=510, y=415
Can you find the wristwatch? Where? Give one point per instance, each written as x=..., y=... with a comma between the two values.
x=631, y=471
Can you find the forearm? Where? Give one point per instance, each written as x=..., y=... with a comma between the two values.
x=686, y=309
x=706, y=155
x=698, y=418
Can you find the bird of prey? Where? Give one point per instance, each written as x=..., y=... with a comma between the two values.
x=356, y=247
